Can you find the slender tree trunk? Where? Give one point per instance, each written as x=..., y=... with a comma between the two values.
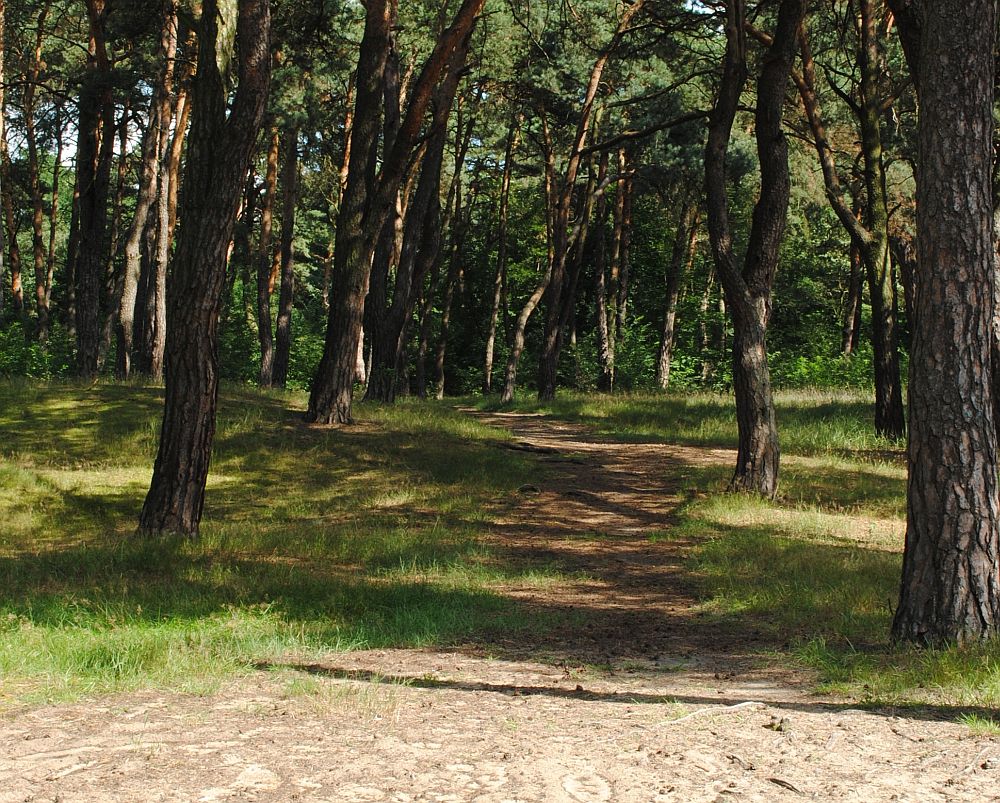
x=950, y=588
x=95, y=149
x=683, y=252
x=605, y=338
x=219, y=154
x=264, y=330
x=367, y=203
x=155, y=142
x=871, y=237
x=113, y=275
x=289, y=189
x=420, y=247
x=500, y=280
x=624, y=247
x=852, y=304
x=34, y=181
x=549, y=361
x=50, y=259
x=889, y=419
x=748, y=289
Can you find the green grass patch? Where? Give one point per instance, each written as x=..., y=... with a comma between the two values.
x=314, y=540
x=812, y=577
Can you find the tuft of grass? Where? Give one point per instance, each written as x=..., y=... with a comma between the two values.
x=315, y=540
x=980, y=725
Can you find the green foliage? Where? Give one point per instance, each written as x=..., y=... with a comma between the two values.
x=22, y=355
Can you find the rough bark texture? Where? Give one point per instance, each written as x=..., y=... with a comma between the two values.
x=366, y=204
x=950, y=589
x=219, y=152
x=94, y=156
x=747, y=288
x=154, y=149
x=289, y=189
x=420, y=248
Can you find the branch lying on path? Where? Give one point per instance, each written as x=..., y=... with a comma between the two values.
x=713, y=710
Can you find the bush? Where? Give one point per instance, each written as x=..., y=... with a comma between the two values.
x=22, y=355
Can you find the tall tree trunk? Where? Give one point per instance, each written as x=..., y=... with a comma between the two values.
x=605, y=337
x=265, y=334
x=219, y=154
x=113, y=276
x=50, y=259
x=501, y=274
x=889, y=419
x=34, y=181
x=289, y=189
x=624, y=247
x=420, y=248
x=871, y=238
x=95, y=149
x=549, y=361
x=950, y=588
x=155, y=143
x=367, y=204
x=748, y=289
x=6, y=195
x=683, y=252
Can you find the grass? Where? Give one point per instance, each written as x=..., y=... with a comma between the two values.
x=314, y=540
x=812, y=577
x=325, y=539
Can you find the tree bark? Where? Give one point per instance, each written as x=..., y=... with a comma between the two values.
x=220, y=148
x=155, y=142
x=747, y=290
x=367, y=204
x=501, y=275
x=950, y=588
x=289, y=189
x=34, y=181
x=420, y=249
x=683, y=252
x=871, y=237
x=265, y=334
x=549, y=360
x=95, y=149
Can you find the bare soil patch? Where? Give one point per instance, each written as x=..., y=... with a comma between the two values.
x=636, y=698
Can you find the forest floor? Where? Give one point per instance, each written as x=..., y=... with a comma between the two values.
x=634, y=697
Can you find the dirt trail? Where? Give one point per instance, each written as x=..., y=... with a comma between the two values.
x=678, y=711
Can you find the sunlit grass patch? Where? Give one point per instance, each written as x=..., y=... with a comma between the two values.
x=315, y=540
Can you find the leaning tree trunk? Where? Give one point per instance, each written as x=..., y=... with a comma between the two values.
x=748, y=290
x=420, y=249
x=367, y=203
x=289, y=188
x=548, y=363
x=220, y=148
x=950, y=589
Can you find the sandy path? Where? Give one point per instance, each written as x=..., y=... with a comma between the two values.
x=683, y=714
